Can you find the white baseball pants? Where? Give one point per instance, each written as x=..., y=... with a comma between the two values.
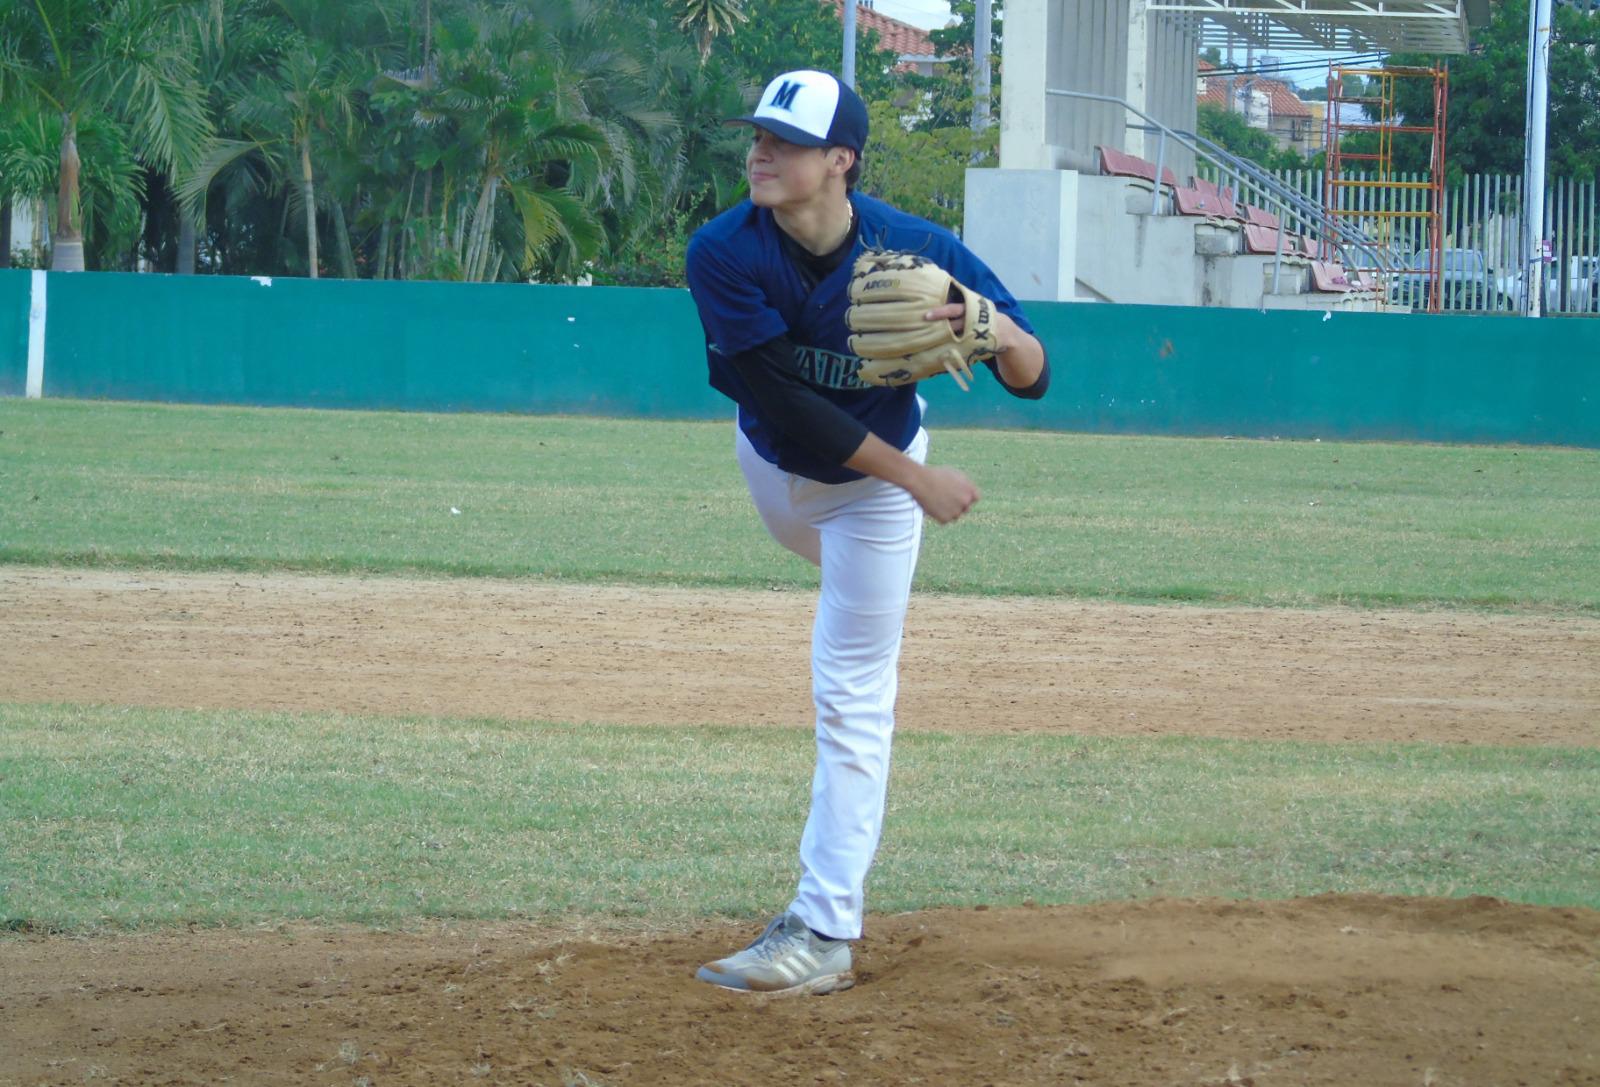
x=865, y=536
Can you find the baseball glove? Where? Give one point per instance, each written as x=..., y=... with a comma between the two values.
x=889, y=293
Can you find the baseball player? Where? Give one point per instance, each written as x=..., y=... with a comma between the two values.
x=832, y=447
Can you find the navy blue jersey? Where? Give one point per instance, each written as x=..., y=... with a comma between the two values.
x=749, y=292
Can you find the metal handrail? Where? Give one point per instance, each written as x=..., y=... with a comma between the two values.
x=1346, y=239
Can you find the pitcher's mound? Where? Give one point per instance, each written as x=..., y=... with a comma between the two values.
x=1332, y=990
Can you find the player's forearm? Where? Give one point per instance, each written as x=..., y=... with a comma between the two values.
x=876, y=457
x=1021, y=356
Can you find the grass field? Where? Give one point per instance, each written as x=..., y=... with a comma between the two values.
x=121, y=817
x=142, y=817
x=1134, y=519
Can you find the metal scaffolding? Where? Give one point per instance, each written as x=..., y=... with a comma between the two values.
x=1360, y=182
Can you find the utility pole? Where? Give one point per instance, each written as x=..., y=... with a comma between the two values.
x=848, y=70
x=1233, y=80
x=982, y=39
x=1249, y=77
x=1539, y=20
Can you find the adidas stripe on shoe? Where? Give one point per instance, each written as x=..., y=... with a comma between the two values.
x=788, y=959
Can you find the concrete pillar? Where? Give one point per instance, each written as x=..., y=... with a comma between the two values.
x=1136, y=79
x=1024, y=143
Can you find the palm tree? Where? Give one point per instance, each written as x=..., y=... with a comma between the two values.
x=313, y=89
x=484, y=119
x=623, y=76
x=492, y=139
x=124, y=61
x=708, y=18
x=15, y=184
x=235, y=42
x=278, y=113
x=291, y=81
x=706, y=167
x=685, y=169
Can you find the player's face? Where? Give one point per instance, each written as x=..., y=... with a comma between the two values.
x=784, y=174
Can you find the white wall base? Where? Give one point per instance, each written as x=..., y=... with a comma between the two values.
x=1024, y=225
x=1128, y=255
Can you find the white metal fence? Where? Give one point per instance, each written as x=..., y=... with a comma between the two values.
x=1481, y=265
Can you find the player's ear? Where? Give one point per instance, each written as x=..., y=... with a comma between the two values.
x=840, y=159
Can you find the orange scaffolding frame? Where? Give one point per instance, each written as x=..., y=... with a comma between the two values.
x=1363, y=185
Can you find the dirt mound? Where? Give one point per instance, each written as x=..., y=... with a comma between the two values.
x=1330, y=990
x=535, y=650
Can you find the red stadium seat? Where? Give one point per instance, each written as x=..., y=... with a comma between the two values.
x=1260, y=217
x=1194, y=202
x=1328, y=276
x=1219, y=198
x=1263, y=239
x=1210, y=204
x=1121, y=164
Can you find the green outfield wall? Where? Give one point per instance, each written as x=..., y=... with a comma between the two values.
x=360, y=344
x=16, y=295
x=637, y=352
x=1183, y=370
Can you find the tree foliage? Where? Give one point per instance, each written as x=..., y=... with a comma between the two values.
x=948, y=96
x=922, y=169
x=1485, y=117
x=458, y=139
x=117, y=77
x=1229, y=130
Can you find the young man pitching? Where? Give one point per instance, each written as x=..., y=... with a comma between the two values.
x=831, y=443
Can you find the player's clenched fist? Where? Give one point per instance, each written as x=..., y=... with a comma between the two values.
x=944, y=493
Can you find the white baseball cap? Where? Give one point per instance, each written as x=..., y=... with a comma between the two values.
x=813, y=109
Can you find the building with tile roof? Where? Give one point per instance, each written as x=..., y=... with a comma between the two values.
x=911, y=44
x=1267, y=104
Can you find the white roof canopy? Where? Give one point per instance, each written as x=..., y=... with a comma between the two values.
x=1421, y=26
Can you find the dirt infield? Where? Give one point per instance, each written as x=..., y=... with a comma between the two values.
x=1335, y=991
x=1324, y=991
x=526, y=650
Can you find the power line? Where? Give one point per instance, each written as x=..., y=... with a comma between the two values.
x=1304, y=66
x=1295, y=66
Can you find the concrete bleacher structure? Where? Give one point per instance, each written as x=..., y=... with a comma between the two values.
x=1135, y=240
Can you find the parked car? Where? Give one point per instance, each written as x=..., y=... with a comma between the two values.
x=1465, y=282
x=1582, y=287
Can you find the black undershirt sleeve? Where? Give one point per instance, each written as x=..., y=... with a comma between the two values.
x=792, y=408
x=1032, y=392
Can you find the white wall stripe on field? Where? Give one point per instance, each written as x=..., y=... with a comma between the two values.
x=36, y=313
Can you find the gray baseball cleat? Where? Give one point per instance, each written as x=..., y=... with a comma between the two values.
x=787, y=959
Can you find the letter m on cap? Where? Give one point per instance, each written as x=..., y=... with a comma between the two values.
x=783, y=97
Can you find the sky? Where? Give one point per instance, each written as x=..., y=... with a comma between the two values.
x=927, y=14
x=932, y=14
